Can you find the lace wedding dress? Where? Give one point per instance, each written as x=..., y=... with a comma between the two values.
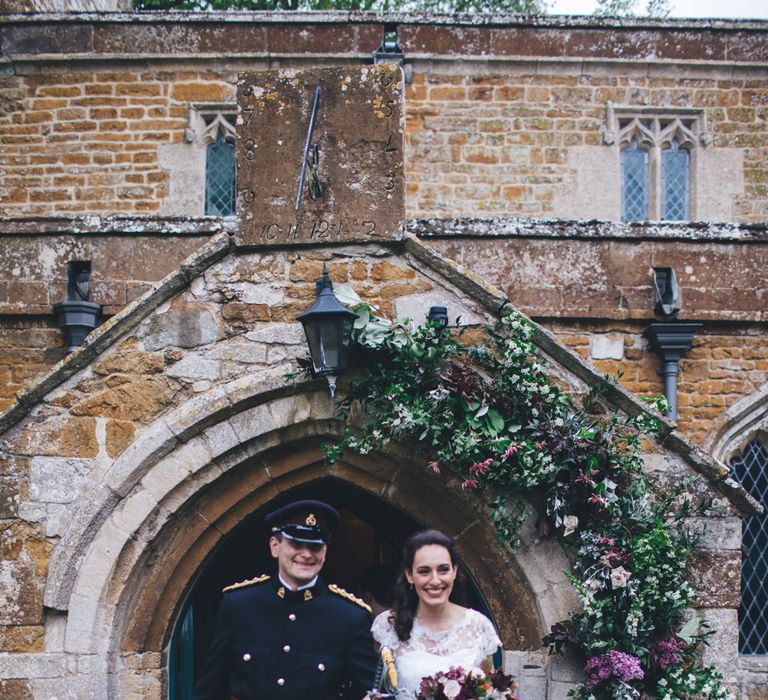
x=466, y=644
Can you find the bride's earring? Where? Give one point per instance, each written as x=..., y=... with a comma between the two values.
x=410, y=587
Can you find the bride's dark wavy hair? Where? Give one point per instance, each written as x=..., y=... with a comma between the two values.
x=406, y=600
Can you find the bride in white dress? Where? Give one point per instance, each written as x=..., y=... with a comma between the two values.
x=425, y=631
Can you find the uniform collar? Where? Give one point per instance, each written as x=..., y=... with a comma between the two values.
x=303, y=595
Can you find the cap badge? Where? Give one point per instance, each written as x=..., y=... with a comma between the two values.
x=311, y=520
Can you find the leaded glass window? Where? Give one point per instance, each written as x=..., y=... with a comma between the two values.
x=220, y=177
x=675, y=166
x=751, y=470
x=634, y=183
x=657, y=149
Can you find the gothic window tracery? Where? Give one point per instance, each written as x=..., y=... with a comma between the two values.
x=212, y=126
x=657, y=150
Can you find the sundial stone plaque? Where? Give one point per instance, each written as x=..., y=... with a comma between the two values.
x=320, y=156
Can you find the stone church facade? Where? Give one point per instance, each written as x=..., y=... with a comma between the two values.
x=127, y=464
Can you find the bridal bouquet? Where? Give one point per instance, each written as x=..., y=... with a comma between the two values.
x=458, y=684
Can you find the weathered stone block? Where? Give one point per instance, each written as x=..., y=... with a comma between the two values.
x=717, y=577
x=195, y=367
x=9, y=496
x=22, y=639
x=184, y=329
x=58, y=479
x=60, y=437
x=128, y=358
x=281, y=333
x=239, y=350
x=15, y=690
x=139, y=400
x=119, y=434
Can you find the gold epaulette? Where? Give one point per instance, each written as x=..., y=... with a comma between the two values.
x=248, y=582
x=333, y=588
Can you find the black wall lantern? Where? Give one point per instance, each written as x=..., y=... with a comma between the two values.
x=328, y=325
x=77, y=316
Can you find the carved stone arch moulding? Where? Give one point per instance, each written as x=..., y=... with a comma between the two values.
x=743, y=422
x=147, y=528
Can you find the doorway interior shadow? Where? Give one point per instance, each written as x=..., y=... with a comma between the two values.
x=371, y=534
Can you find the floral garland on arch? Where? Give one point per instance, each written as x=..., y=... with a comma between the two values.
x=490, y=413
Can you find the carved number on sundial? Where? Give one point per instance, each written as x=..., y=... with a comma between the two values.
x=247, y=197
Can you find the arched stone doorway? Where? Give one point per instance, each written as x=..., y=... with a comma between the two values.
x=153, y=522
x=371, y=533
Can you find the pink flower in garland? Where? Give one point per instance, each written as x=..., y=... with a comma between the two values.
x=614, y=557
x=598, y=500
x=511, y=450
x=582, y=478
x=614, y=664
x=469, y=484
x=481, y=467
x=434, y=466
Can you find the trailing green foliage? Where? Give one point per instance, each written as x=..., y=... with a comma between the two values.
x=490, y=413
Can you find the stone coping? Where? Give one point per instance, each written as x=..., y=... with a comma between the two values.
x=589, y=229
x=129, y=36
x=489, y=297
x=124, y=225
x=502, y=19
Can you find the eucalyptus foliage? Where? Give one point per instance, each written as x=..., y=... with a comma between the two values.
x=490, y=413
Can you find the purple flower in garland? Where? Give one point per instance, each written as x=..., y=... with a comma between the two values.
x=666, y=652
x=614, y=664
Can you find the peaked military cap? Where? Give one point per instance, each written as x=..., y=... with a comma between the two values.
x=304, y=521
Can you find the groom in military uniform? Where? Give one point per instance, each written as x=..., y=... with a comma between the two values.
x=289, y=636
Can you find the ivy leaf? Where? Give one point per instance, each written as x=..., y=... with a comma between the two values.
x=689, y=629
x=496, y=421
x=347, y=296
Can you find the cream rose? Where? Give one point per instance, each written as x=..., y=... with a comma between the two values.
x=619, y=577
x=571, y=522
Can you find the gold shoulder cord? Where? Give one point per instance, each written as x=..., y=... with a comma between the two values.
x=248, y=582
x=333, y=588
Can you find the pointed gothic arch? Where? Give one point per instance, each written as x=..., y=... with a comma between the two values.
x=125, y=565
x=743, y=422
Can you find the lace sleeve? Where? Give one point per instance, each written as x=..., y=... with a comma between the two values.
x=485, y=634
x=383, y=632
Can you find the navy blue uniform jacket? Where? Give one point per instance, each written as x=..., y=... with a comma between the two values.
x=272, y=643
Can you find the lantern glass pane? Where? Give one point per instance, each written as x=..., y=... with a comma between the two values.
x=313, y=340
x=329, y=342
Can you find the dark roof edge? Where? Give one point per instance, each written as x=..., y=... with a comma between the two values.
x=495, y=300
x=420, y=18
